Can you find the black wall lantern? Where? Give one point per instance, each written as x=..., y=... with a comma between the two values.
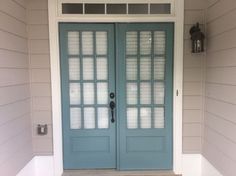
x=197, y=38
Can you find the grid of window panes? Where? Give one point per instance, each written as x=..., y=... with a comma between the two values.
x=88, y=79
x=145, y=79
x=117, y=8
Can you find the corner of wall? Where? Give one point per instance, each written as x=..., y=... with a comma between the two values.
x=208, y=169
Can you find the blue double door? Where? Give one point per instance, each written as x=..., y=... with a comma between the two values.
x=116, y=84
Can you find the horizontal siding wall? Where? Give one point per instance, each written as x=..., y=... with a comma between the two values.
x=193, y=80
x=15, y=114
x=40, y=74
x=220, y=122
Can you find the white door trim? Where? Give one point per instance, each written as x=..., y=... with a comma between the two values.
x=54, y=19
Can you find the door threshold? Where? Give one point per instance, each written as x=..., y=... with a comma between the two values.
x=112, y=172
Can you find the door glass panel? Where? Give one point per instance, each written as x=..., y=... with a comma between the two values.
x=131, y=68
x=159, y=117
x=74, y=93
x=75, y=118
x=159, y=93
x=88, y=68
x=145, y=42
x=89, y=118
x=74, y=69
x=87, y=43
x=132, y=118
x=145, y=117
x=132, y=94
x=88, y=93
x=159, y=68
x=145, y=75
x=102, y=93
x=145, y=68
x=102, y=68
x=103, y=119
x=101, y=43
x=159, y=42
x=73, y=43
x=131, y=43
x=145, y=93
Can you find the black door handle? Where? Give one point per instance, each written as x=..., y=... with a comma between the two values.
x=112, y=107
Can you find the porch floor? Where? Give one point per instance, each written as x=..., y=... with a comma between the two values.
x=116, y=173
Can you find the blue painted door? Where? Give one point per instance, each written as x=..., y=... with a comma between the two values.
x=87, y=77
x=133, y=61
x=144, y=91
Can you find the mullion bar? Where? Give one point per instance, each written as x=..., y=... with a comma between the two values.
x=91, y=55
x=138, y=77
x=152, y=80
x=81, y=80
x=95, y=77
x=88, y=81
x=145, y=106
x=146, y=55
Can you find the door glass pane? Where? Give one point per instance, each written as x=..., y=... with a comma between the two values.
x=159, y=42
x=102, y=68
x=89, y=118
x=145, y=42
x=159, y=68
x=131, y=43
x=73, y=43
x=145, y=117
x=88, y=93
x=132, y=118
x=159, y=118
x=145, y=68
x=145, y=93
x=74, y=69
x=88, y=68
x=75, y=118
x=132, y=93
x=74, y=93
x=101, y=43
x=159, y=93
x=87, y=43
x=102, y=93
x=103, y=119
x=131, y=68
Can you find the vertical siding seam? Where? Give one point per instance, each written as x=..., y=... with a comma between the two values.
x=30, y=76
x=204, y=63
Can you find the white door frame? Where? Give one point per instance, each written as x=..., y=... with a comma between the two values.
x=177, y=19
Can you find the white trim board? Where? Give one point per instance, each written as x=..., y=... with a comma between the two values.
x=193, y=165
x=198, y=165
x=178, y=20
x=38, y=166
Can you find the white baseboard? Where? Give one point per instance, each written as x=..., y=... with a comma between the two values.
x=38, y=166
x=193, y=165
x=198, y=165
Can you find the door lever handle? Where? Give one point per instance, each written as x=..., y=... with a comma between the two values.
x=112, y=107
